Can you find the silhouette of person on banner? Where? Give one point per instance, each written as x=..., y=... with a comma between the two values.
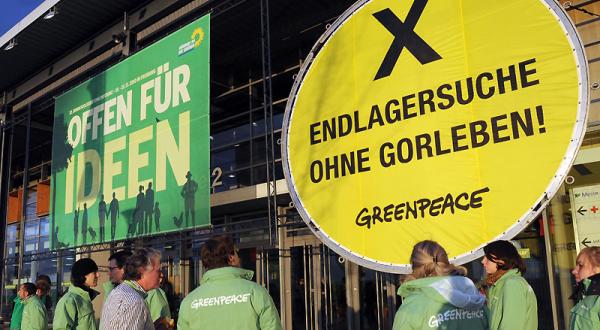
x=101, y=216
x=114, y=214
x=84, y=223
x=75, y=225
x=188, y=192
x=138, y=214
x=157, y=217
x=149, y=208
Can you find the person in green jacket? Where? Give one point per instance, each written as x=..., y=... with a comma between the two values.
x=44, y=285
x=158, y=305
x=586, y=313
x=34, y=312
x=511, y=299
x=227, y=298
x=17, y=314
x=74, y=310
x=438, y=295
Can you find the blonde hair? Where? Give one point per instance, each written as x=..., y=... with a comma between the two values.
x=592, y=254
x=428, y=258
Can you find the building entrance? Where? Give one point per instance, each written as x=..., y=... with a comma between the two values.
x=322, y=290
x=314, y=286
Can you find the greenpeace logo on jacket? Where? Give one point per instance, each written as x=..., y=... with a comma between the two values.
x=227, y=298
x=441, y=302
x=222, y=300
x=454, y=314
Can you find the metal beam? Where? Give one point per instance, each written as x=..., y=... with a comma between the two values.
x=268, y=117
x=24, y=199
x=246, y=227
x=4, y=186
x=550, y=268
x=83, y=53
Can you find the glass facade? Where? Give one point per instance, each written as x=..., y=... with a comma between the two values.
x=35, y=243
x=312, y=286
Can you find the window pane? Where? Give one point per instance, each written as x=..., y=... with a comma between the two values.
x=44, y=227
x=26, y=272
x=11, y=232
x=241, y=133
x=32, y=229
x=12, y=248
x=68, y=261
x=44, y=243
x=31, y=244
x=48, y=267
x=31, y=205
x=235, y=179
x=223, y=159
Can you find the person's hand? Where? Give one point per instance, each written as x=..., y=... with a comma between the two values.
x=164, y=323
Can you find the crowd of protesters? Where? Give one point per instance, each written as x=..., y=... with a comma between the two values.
x=437, y=294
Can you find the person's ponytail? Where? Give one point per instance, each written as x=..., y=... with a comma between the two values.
x=429, y=259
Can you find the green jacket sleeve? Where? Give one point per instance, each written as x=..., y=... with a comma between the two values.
x=514, y=309
x=65, y=316
x=157, y=304
x=268, y=317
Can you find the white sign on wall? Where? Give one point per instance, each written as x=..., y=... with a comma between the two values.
x=585, y=207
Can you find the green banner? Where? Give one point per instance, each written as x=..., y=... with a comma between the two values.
x=130, y=152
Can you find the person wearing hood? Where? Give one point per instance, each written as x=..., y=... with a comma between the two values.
x=511, y=299
x=586, y=313
x=34, y=312
x=74, y=310
x=438, y=295
x=227, y=298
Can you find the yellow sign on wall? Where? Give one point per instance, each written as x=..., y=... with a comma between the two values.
x=453, y=120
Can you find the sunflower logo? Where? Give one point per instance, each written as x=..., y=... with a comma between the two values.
x=197, y=36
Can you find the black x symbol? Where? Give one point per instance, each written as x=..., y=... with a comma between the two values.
x=404, y=36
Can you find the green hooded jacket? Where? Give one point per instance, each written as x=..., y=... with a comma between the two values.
x=17, y=314
x=34, y=314
x=586, y=314
x=228, y=299
x=75, y=311
x=158, y=304
x=512, y=303
x=441, y=302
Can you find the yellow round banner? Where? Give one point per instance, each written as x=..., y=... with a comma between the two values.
x=454, y=121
